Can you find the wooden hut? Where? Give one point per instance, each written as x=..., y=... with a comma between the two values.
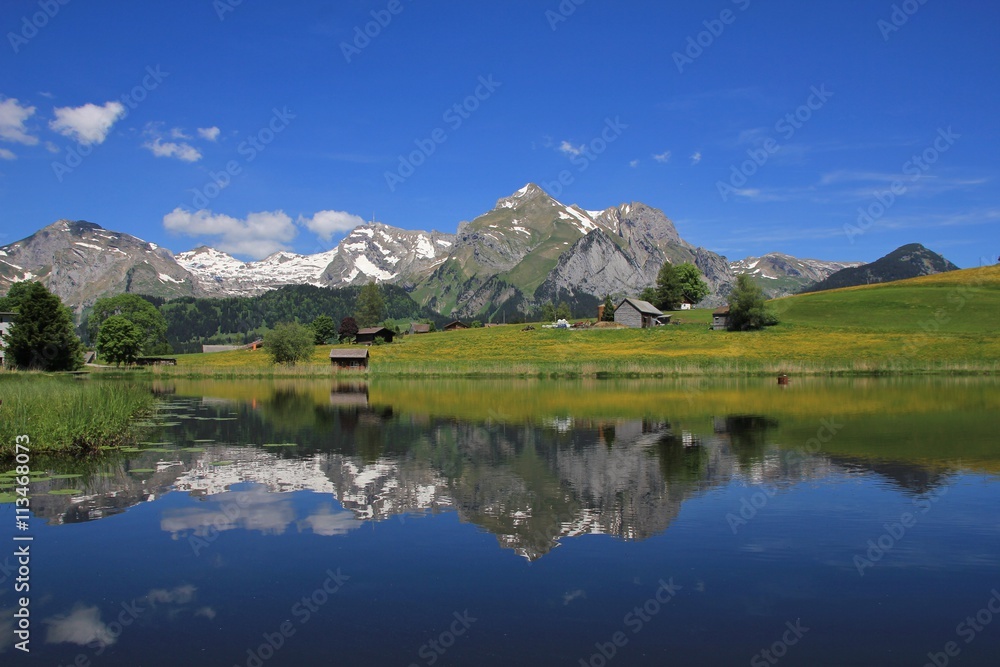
x=639, y=314
x=368, y=336
x=456, y=326
x=419, y=328
x=720, y=318
x=352, y=358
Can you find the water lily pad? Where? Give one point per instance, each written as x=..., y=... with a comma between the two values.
x=130, y=450
x=66, y=476
x=6, y=487
x=194, y=449
x=204, y=440
x=222, y=463
x=7, y=498
x=281, y=444
x=170, y=423
x=65, y=492
x=142, y=470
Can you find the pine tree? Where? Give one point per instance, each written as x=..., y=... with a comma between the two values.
x=42, y=336
x=370, y=308
x=609, y=309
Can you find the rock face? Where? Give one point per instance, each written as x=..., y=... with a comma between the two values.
x=81, y=262
x=780, y=275
x=908, y=261
x=528, y=250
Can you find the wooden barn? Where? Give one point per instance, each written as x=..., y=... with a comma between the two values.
x=354, y=358
x=368, y=336
x=720, y=318
x=456, y=326
x=419, y=328
x=638, y=314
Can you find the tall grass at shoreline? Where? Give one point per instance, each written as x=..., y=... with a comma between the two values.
x=69, y=415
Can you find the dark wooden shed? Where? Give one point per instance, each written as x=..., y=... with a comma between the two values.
x=456, y=325
x=368, y=336
x=639, y=314
x=720, y=318
x=349, y=358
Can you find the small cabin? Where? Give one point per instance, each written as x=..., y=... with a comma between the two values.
x=639, y=314
x=456, y=326
x=686, y=304
x=352, y=358
x=369, y=335
x=720, y=318
x=419, y=328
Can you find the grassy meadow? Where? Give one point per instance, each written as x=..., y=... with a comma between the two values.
x=67, y=414
x=936, y=324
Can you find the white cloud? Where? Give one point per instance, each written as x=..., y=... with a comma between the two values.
x=178, y=133
x=82, y=626
x=696, y=157
x=180, y=595
x=633, y=164
x=329, y=524
x=663, y=157
x=570, y=149
x=89, y=124
x=258, y=236
x=327, y=223
x=7, y=155
x=12, y=117
x=181, y=151
x=210, y=133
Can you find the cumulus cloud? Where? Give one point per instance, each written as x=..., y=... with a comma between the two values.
x=696, y=157
x=633, y=164
x=328, y=223
x=180, y=595
x=82, y=626
x=663, y=157
x=210, y=133
x=257, y=236
x=181, y=151
x=569, y=149
x=12, y=117
x=328, y=523
x=179, y=133
x=89, y=124
x=7, y=155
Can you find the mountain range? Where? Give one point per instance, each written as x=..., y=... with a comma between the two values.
x=528, y=250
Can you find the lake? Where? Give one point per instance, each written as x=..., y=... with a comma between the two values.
x=526, y=522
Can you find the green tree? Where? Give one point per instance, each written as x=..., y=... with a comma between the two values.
x=348, y=329
x=609, y=309
x=12, y=302
x=370, y=308
x=747, y=308
x=548, y=312
x=289, y=342
x=139, y=312
x=476, y=324
x=119, y=341
x=42, y=336
x=669, y=289
x=693, y=286
x=563, y=312
x=324, y=329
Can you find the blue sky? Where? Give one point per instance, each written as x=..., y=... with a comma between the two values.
x=835, y=130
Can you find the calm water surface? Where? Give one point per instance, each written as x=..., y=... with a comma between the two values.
x=831, y=522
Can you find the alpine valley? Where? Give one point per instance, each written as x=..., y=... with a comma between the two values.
x=528, y=250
